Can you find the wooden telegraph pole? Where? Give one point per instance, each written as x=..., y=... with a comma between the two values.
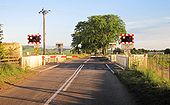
x=44, y=12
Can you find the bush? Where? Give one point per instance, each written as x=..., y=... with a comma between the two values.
x=167, y=51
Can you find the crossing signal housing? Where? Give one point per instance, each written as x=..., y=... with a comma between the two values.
x=126, y=38
x=34, y=39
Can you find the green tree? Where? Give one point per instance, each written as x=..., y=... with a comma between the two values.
x=134, y=51
x=167, y=51
x=138, y=51
x=97, y=32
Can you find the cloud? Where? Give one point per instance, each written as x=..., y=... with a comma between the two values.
x=152, y=43
x=146, y=23
x=150, y=33
x=168, y=18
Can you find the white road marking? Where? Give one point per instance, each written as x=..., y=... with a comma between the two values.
x=67, y=83
x=120, y=66
x=51, y=67
x=86, y=60
x=109, y=68
x=65, y=89
x=61, y=88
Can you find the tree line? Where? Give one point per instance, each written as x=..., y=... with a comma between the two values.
x=141, y=51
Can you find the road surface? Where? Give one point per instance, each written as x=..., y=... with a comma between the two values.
x=80, y=82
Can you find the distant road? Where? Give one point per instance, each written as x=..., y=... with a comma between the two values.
x=80, y=82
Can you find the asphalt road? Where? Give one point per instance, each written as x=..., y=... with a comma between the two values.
x=80, y=82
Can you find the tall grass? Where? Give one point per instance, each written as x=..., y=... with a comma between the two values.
x=148, y=88
x=11, y=73
x=162, y=60
x=156, y=71
x=146, y=83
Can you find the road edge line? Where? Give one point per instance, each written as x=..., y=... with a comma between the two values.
x=120, y=66
x=51, y=67
x=110, y=68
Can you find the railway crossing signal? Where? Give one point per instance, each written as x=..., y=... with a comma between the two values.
x=34, y=39
x=127, y=42
x=126, y=38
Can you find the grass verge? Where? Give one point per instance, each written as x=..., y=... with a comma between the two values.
x=10, y=73
x=148, y=88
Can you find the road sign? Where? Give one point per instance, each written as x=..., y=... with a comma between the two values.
x=127, y=46
x=36, y=45
x=112, y=46
x=59, y=47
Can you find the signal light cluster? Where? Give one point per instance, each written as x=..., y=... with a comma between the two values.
x=34, y=39
x=126, y=38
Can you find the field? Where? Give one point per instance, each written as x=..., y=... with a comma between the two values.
x=32, y=51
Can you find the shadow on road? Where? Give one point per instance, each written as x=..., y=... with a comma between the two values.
x=23, y=99
x=33, y=88
x=95, y=85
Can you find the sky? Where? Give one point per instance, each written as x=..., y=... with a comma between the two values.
x=149, y=20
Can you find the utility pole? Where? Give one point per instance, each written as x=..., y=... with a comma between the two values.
x=44, y=12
